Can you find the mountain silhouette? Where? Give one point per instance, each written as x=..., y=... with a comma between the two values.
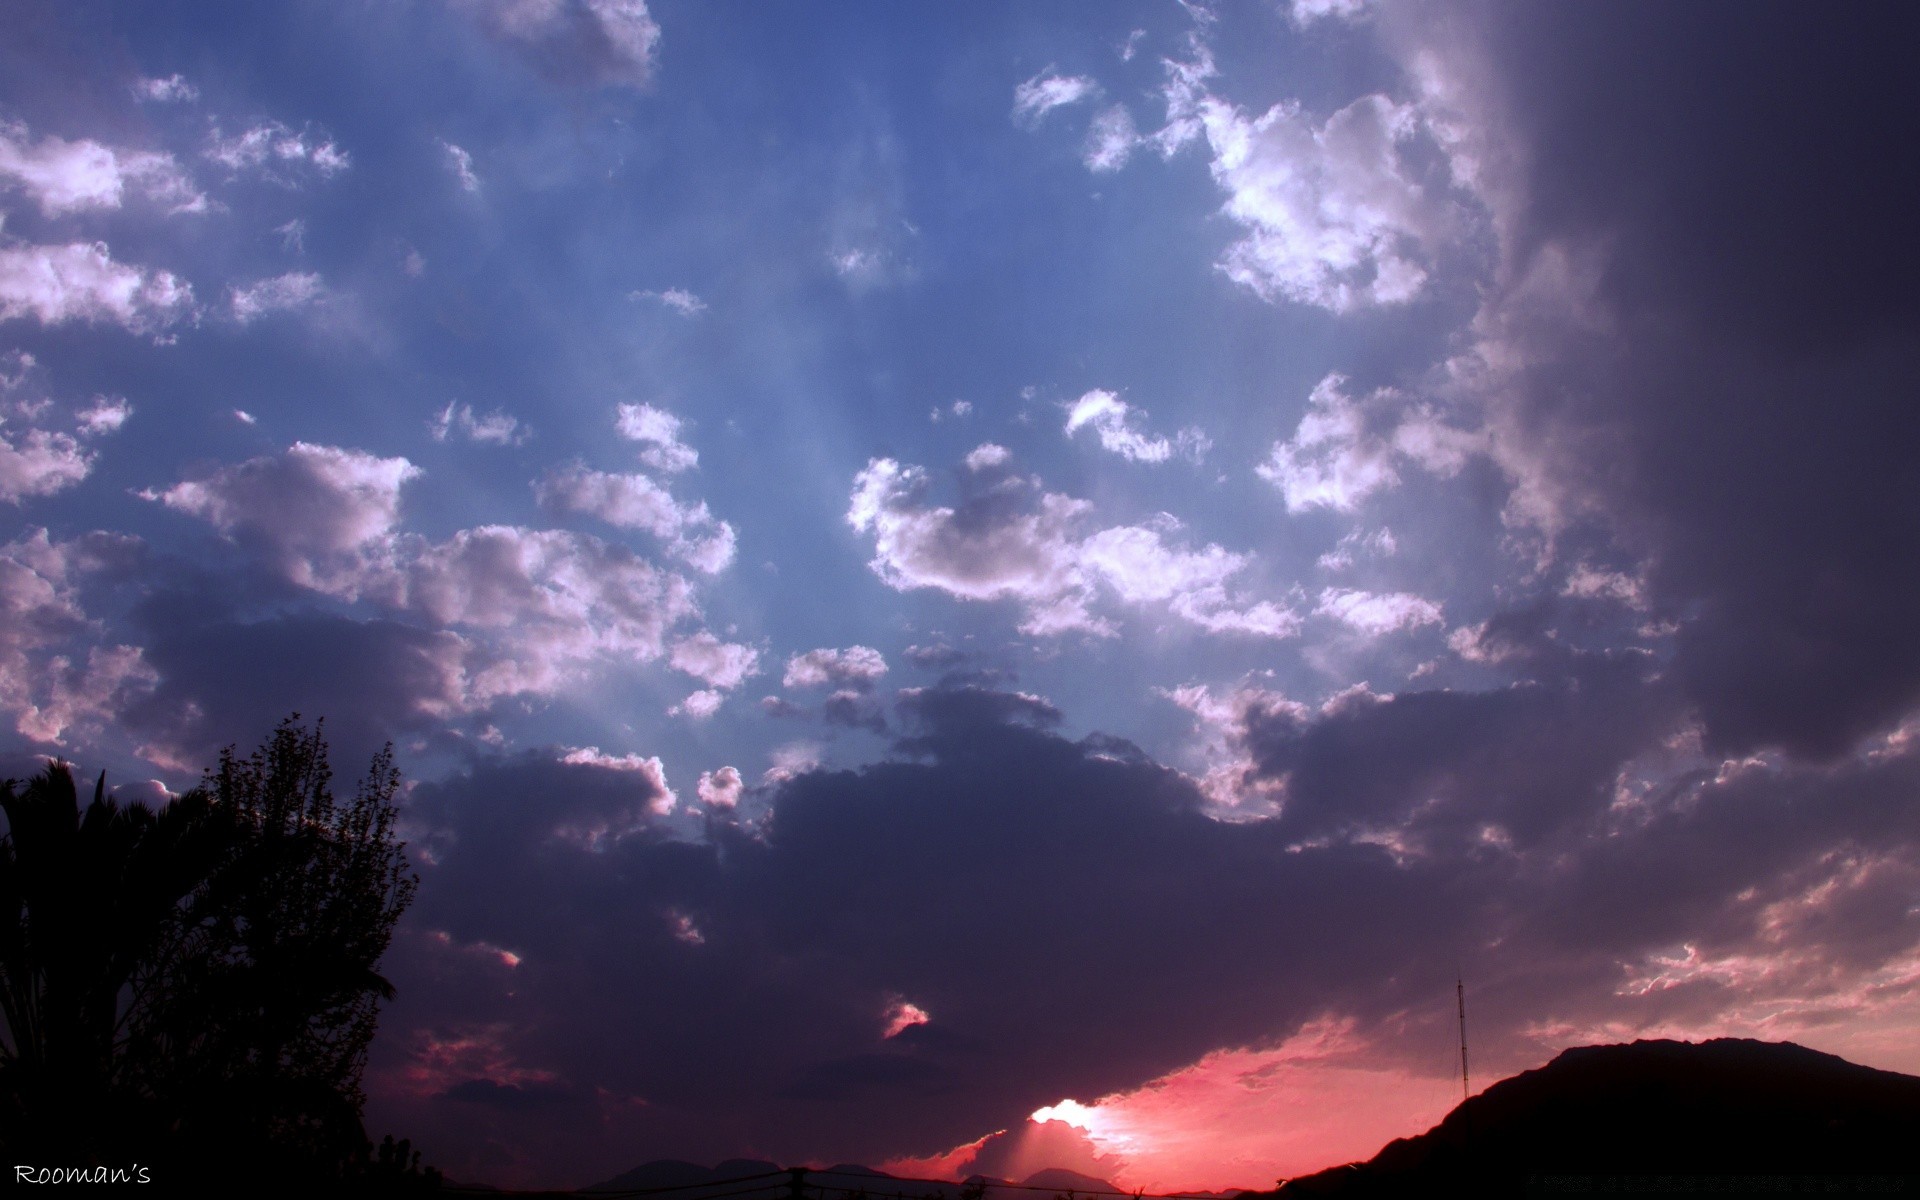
x=752, y=1179
x=1702, y=1115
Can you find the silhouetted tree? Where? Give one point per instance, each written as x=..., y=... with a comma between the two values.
x=197, y=987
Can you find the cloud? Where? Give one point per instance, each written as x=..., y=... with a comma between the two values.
x=462, y=164
x=690, y=532
x=497, y=428
x=1405, y=820
x=81, y=282
x=36, y=457
x=597, y=42
x=1632, y=170
x=720, y=665
x=858, y=667
x=659, y=431
x=678, y=299
x=65, y=177
x=1007, y=542
x=1337, y=214
x=720, y=789
x=523, y=611
x=1376, y=613
x=1111, y=140
x=1112, y=420
x=1043, y=93
x=39, y=463
x=318, y=512
x=277, y=151
x=174, y=89
x=1348, y=447
x=55, y=672
x=282, y=293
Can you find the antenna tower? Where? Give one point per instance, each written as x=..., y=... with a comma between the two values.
x=1460, y=993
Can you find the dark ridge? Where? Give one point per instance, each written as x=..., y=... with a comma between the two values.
x=1687, y=1116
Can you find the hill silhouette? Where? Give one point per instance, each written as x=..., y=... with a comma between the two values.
x=753, y=1179
x=1703, y=1115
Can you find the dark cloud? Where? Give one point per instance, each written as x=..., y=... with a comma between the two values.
x=1735, y=393
x=1048, y=903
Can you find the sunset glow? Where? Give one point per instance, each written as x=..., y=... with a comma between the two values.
x=985, y=587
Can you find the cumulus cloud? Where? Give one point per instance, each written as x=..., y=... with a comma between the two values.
x=528, y=610
x=599, y=42
x=1045, y=92
x=56, y=670
x=1111, y=140
x=64, y=177
x=81, y=281
x=1338, y=214
x=36, y=458
x=1376, y=613
x=659, y=432
x=1348, y=447
x=678, y=299
x=277, y=151
x=857, y=667
x=496, y=428
x=1113, y=421
x=316, y=511
x=690, y=532
x=173, y=89
x=1405, y=819
x=721, y=665
x=461, y=163
x=1005, y=542
x=38, y=462
x=720, y=789
x=281, y=293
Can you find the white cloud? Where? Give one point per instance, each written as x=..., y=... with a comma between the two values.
x=690, y=531
x=317, y=510
x=48, y=682
x=718, y=664
x=659, y=430
x=594, y=41
x=496, y=428
x=64, y=177
x=36, y=459
x=534, y=609
x=275, y=148
x=986, y=456
x=699, y=705
x=39, y=463
x=1112, y=420
x=105, y=415
x=1007, y=544
x=1348, y=447
x=678, y=299
x=858, y=666
x=282, y=293
x=174, y=89
x=720, y=789
x=462, y=164
x=1377, y=613
x=1110, y=140
x=82, y=282
x=1333, y=212
x=1043, y=93
x=1379, y=543
x=651, y=769
x=1305, y=12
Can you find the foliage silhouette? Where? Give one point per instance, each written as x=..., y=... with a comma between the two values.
x=196, y=988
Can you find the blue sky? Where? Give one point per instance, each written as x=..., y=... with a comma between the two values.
x=1336, y=433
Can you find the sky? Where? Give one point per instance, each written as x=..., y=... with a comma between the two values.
x=979, y=587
